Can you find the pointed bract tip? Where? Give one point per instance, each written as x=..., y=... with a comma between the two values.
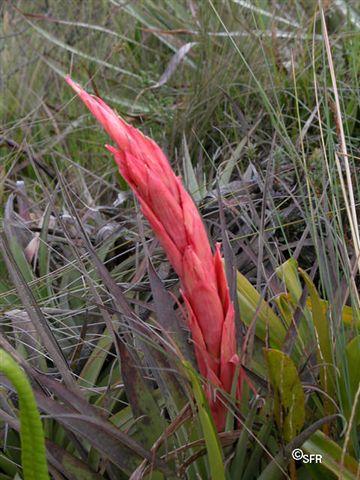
x=73, y=84
x=112, y=149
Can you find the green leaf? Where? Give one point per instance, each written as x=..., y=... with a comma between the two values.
x=190, y=180
x=150, y=424
x=69, y=48
x=289, y=398
x=35, y=313
x=286, y=306
x=349, y=388
x=45, y=291
x=214, y=452
x=239, y=460
x=95, y=361
x=288, y=273
x=350, y=316
x=251, y=305
x=77, y=469
x=225, y=175
x=323, y=340
x=13, y=237
x=331, y=454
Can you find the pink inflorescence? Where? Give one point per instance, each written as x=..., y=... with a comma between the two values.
x=177, y=224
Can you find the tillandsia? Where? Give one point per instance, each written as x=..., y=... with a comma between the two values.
x=177, y=224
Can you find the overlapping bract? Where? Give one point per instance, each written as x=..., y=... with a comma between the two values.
x=176, y=222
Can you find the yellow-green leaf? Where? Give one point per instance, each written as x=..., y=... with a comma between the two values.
x=288, y=273
x=323, y=339
x=331, y=453
x=251, y=304
x=213, y=447
x=286, y=306
x=349, y=388
x=350, y=316
x=289, y=398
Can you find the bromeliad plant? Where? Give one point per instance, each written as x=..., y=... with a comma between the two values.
x=81, y=308
x=176, y=222
x=113, y=403
x=210, y=314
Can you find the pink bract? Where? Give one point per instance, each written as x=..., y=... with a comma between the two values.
x=177, y=224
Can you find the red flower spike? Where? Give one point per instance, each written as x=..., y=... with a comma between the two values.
x=177, y=224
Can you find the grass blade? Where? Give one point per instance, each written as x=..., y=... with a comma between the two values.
x=35, y=314
x=214, y=452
